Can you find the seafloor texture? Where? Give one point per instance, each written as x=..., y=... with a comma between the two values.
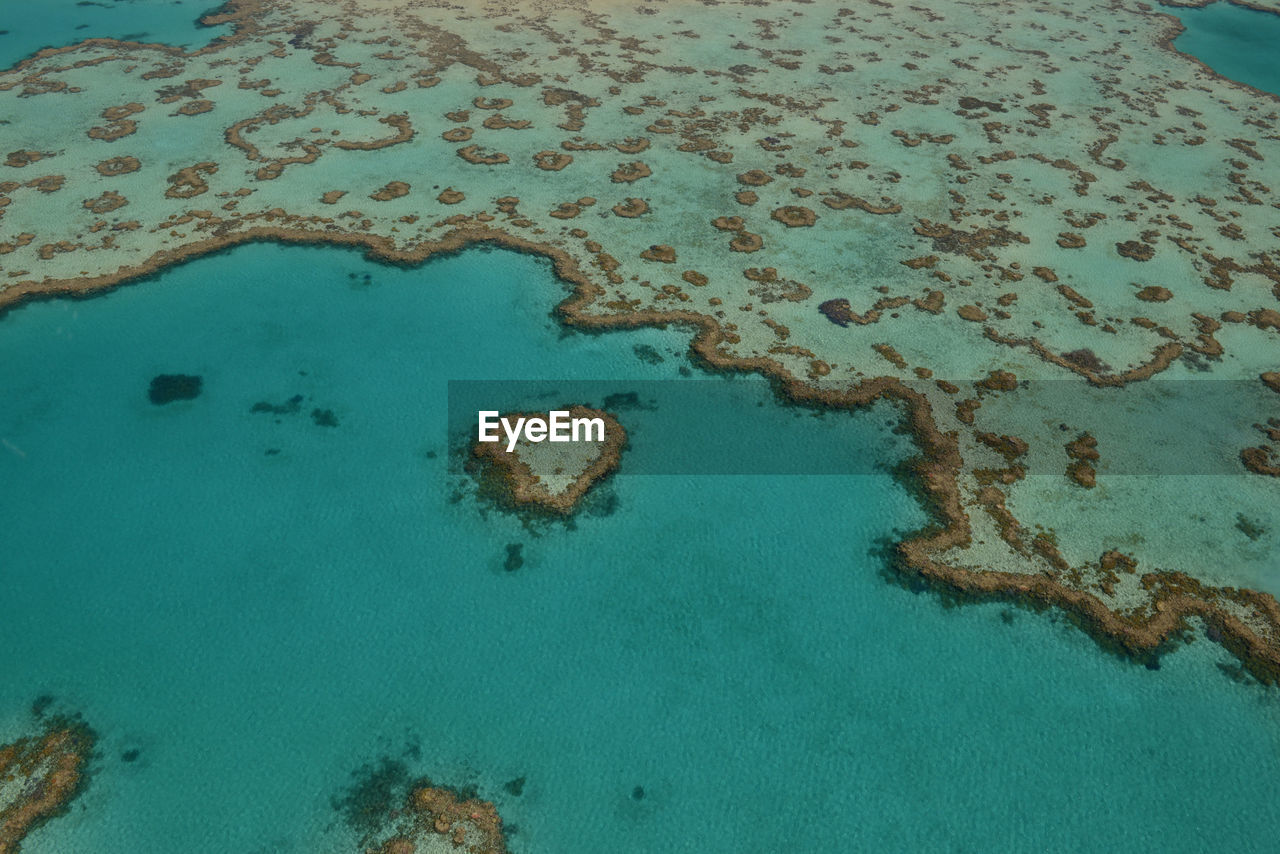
x=1044, y=232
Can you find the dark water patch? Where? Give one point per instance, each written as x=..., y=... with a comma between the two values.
x=1236, y=672
x=324, y=418
x=515, y=558
x=376, y=789
x=648, y=354
x=627, y=400
x=514, y=787
x=41, y=705
x=289, y=407
x=601, y=502
x=637, y=794
x=166, y=388
x=1250, y=528
x=130, y=755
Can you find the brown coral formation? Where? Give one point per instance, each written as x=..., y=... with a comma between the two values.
x=392, y=190
x=1136, y=250
x=119, y=125
x=628, y=172
x=195, y=108
x=659, y=252
x=1261, y=460
x=1154, y=293
x=474, y=154
x=189, y=182
x=631, y=208
x=552, y=161
x=47, y=183
x=468, y=824
x=839, y=312
x=500, y=122
x=402, y=131
x=1083, y=452
x=44, y=773
x=18, y=159
x=632, y=145
x=526, y=489
x=449, y=196
x=795, y=216
x=118, y=166
x=106, y=203
x=117, y=114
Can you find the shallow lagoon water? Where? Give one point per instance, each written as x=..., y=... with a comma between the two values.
x=259, y=626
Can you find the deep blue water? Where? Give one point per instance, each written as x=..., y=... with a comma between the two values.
x=258, y=626
x=1235, y=41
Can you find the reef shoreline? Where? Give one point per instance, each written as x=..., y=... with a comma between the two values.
x=1139, y=637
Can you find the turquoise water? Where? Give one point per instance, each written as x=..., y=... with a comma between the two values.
x=1235, y=41
x=257, y=626
x=26, y=27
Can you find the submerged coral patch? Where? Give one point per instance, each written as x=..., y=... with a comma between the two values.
x=166, y=388
x=39, y=776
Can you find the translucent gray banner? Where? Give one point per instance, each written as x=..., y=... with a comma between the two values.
x=738, y=425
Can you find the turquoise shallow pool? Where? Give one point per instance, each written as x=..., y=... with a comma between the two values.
x=257, y=626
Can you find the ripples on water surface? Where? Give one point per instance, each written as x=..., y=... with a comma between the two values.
x=257, y=625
